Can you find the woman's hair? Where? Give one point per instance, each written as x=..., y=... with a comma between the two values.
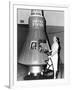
x=57, y=39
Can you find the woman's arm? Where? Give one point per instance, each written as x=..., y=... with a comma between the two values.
x=54, y=49
x=53, y=53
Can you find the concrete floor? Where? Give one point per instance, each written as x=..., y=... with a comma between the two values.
x=22, y=72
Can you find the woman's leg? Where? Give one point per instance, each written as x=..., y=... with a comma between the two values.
x=55, y=74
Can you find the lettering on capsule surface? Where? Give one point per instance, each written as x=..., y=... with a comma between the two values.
x=37, y=23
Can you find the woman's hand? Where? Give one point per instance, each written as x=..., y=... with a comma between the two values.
x=50, y=50
x=49, y=56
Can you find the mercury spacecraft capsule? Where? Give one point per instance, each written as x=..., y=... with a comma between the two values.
x=32, y=53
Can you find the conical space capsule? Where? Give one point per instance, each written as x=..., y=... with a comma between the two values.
x=36, y=41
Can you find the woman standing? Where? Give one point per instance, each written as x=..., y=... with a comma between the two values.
x=54, y=54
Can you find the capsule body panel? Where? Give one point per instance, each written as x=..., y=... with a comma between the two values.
x=31, y=54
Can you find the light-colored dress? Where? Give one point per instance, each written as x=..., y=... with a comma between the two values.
x=54, y=55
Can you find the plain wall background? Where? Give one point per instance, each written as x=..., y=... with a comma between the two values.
x=53, y=18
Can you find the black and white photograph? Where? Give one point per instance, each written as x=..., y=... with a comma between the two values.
x=40, y=44
x=36, y=44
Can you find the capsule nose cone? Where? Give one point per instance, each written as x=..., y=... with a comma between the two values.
x=36, y=12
